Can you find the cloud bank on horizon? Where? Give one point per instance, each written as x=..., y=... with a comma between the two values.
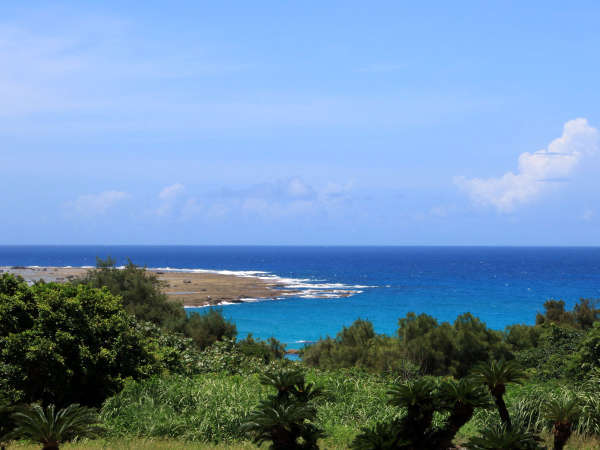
x=538, y=172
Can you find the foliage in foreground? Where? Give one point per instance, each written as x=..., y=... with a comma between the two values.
x=51, y=427
x=211, y=407
x=422, y=399
x=285, y=418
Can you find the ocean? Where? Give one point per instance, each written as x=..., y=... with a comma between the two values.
x=500, y=285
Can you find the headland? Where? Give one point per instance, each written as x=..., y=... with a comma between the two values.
x=191, y=288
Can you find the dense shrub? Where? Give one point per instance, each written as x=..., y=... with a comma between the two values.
x=587, y=355
x=205, y=329
x=358, y=346
x=450, y=349
x=422, y=345
x=551, y=356
x=61, y=343
x=72, y=343
x=228, y=356
x=268, y=350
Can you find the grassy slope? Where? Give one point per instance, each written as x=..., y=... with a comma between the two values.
x=185, y=413
x=211, y=407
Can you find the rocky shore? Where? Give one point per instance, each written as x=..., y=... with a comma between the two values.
x=190, y=288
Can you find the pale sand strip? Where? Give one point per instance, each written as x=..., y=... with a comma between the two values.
x=190, y=288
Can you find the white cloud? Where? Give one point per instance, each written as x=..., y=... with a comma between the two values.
x=96, y=204
x=280, y=198
x=171, y=192
x=588, y=215
x=168, y=197
x=537, y=172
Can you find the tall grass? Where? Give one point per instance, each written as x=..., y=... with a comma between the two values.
x=207, y=408
x=211, y=407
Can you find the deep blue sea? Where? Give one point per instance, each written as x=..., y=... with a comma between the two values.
x=501, y=285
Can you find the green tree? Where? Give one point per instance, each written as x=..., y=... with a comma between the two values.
x=583, y=315
x=142, y=295
x=140, y=290
x=61, y=343
x=445, y=349
x=52, y=428
x=205, y=329
x=586, y=313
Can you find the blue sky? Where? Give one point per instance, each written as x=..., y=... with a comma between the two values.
x=463, y=123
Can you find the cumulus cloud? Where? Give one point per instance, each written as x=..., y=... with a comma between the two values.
x=168, y=198
x=96, y=204
x=537, y=172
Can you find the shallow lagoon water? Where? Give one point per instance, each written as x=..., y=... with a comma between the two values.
x=501, y=285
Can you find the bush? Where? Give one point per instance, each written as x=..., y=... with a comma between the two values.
x=358, y=346
x=587, y=355
x=69, y=343
x=205, y=329
x=422, y=345
x=552, y=357
x=450, y=349
x=268, y=350
x=61, y=343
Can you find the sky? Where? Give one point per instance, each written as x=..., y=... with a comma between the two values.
x=300, y=123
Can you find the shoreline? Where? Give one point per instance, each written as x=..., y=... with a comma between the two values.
x=192, y=289
x=198, y=288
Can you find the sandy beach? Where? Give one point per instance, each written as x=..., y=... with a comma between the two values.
x=190, y=288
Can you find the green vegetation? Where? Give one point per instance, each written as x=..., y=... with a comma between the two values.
x=161, y=379
x=62, y=343
x=285, y=418
x=50, y=427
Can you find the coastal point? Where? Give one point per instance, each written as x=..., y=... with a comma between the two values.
x=193, y=289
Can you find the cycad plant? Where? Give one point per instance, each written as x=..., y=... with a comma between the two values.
x=414, y=429
x=50, y=427
x=420, y=400
x=284, y=419
x=496, y=375
x=501, y=438
x=383, y=436
x=562, y=412
x=460, y=398
x=290, y=382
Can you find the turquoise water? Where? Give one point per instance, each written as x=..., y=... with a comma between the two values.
x=501, y=285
